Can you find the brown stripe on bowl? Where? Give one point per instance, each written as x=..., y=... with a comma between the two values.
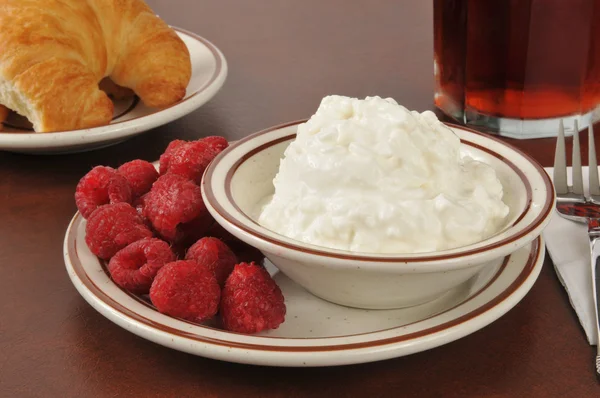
x=425, y=257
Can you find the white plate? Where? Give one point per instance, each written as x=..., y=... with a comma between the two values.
x=316, y=332
x=209, y=70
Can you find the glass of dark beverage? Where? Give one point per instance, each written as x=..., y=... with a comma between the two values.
x=517, y=67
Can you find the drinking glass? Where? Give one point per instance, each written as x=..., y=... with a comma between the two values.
x=517, y=67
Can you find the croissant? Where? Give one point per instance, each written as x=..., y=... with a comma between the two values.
x=54, y=53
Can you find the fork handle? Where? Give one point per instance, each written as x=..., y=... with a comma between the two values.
x=594, y=235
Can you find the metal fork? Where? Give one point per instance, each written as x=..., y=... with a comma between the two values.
x=574, y=205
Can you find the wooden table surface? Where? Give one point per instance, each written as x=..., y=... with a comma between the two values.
x=284, y=56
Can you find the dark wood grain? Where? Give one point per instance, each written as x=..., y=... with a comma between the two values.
x=283, y=56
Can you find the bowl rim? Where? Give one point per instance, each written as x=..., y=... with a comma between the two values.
x=518, y=237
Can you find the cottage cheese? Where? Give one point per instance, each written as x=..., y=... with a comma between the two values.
x=371, y=176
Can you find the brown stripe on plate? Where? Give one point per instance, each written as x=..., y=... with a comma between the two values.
x=107, y=300
x=148, y=304
x=357, y=257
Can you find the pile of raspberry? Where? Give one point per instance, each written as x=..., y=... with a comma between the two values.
x=159, y=240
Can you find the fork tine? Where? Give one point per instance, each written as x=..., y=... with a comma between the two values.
x=560, y=163
x=594, y=184
x=577, y=174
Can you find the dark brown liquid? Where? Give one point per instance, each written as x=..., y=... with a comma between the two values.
x=523, y=59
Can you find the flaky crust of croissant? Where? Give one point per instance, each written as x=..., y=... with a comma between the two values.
x=53, y=54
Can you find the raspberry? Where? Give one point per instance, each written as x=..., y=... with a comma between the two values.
x=139, y=203
x=180, y=248
x=165, y=158
x=189, y=159
x=186, y=290
x=197, y=228
x=189, y=233
x=216, y=143
x=135, y=266
x=140, y=175
x=251, y=301
x=247, y=253
x=112, y=227
x=215, y=255
x=101, y=186
x=172, y=202
x=221, y=233
x=243, y=251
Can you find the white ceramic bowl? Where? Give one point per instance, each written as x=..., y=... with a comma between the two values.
x=240, y=178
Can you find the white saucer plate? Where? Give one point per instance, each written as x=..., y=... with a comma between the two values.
x=132, y=117
x=316, y=332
